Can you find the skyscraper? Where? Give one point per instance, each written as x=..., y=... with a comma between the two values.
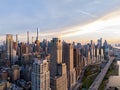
x=101, y=44
x=32, y=39
x=17, y=38
x=100, y=47
x=40, y=75
x=58, y=75
x=87, y=54
x=27, y=37
x=37, y=43
x=106, y=50
x=56, y=55
x=92, y=51
x=15, y=73
x=37, y=38
x=68, y=59
x=9, y=47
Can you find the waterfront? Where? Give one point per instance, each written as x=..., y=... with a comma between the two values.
x=114, y=80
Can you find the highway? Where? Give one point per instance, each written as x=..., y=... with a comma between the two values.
x=95, y=85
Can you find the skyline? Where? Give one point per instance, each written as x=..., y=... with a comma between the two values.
x=44, y=65
x=80, y=23
x=59, y=44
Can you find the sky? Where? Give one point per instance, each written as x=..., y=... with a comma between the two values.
x=71, y=20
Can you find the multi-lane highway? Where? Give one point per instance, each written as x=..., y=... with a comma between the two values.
x=95, y=85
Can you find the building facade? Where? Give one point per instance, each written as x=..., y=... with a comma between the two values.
x=68, y=59
x=58, y=74
x=9, y=47
x=40, y=75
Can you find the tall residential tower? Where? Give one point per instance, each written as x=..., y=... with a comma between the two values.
x=40, y=75
x=58, y=74
x=9, y=47
x=68, y=59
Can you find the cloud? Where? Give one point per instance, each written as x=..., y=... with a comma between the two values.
x=64, y=18
x=50, y=14
x=105, y=27
x=87, y=13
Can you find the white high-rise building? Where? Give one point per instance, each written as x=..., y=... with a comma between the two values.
x=40, y=75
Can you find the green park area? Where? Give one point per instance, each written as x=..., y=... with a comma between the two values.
x=89, y=76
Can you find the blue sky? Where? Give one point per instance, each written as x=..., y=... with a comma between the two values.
x=19, y=16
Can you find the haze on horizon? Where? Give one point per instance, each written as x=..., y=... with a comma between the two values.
x=72, y=20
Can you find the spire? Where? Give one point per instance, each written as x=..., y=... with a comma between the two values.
x=32, y=39
x=37, y=38
x=16, y=38
x=37, y=34
x=27, y=37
